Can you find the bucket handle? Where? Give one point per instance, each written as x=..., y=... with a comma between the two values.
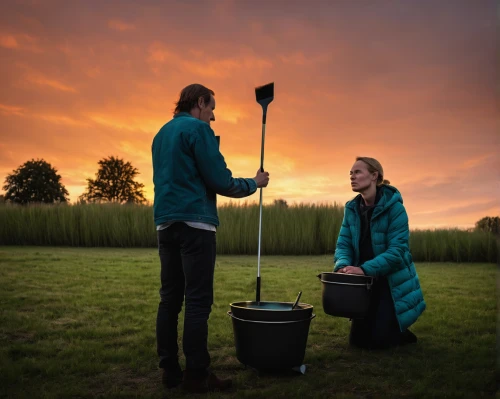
x=270, y=322
x=367, y=285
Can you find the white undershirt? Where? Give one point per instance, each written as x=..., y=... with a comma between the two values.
x=196, y=225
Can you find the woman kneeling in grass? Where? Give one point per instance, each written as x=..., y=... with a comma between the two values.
x=374, y=241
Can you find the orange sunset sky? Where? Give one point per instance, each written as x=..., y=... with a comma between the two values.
x=411, y=83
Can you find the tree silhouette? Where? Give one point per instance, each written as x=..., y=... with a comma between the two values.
x=489, y=224
x=281, y=203
x=114, y=182
x=34, y=181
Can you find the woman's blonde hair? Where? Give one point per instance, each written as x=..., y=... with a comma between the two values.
x=374, y=166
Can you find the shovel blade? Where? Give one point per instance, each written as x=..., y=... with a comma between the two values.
x=265, y=94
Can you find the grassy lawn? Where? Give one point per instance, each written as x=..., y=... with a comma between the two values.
x=80, y=323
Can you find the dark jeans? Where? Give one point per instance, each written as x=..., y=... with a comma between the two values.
x=187, y=257
x=380, y=329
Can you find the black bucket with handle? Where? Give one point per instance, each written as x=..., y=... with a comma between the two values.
x=270, y=335
x=346, y=295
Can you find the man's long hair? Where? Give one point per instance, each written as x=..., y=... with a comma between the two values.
x=189, y=96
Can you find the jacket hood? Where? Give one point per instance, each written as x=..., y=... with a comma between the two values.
x=390, y=195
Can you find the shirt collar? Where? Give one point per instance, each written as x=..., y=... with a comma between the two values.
x=183, y=114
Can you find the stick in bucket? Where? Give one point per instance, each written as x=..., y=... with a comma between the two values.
x=264, y=95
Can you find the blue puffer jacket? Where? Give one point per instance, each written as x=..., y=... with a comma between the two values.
x=188, y=172
x=390, y=236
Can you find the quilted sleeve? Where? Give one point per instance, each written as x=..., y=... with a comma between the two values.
x=398, y=235
x=344, y=251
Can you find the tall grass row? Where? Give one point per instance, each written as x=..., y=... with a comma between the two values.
x=80, y=225
x=303, y=229
x=296, y=230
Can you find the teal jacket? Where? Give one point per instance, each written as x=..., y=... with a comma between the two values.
x=390, y=241
x=188, y=172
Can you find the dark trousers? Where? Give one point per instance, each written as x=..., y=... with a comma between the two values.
x=380, y=329
x=187, y=257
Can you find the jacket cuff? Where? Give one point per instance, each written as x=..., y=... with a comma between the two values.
x=252, y=185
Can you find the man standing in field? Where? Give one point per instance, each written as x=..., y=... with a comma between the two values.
x=188, y=172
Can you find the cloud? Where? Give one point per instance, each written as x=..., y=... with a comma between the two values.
x=203, y=64
x=111, y=122
x=128, y=121
x=231, y=114
x=477, y=161
x=8, y=41
x=461, y=216
x=464, y=208
x=120, y=26
x=62, y=120
x=27, y=75
x=11, y=110
x=50, y=82
x=93, y=72
x=58, y=119
x=130, y=148
x=300, y=59
x=20, y=42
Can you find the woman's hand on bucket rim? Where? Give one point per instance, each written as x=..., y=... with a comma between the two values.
x=352, y=270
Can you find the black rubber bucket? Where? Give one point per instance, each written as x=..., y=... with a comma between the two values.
x=346, y=295
x=271, y=345
x=270, y=335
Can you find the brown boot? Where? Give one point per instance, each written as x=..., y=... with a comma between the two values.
x=195, y=381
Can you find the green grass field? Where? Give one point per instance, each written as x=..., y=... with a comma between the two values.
x=80, y=323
